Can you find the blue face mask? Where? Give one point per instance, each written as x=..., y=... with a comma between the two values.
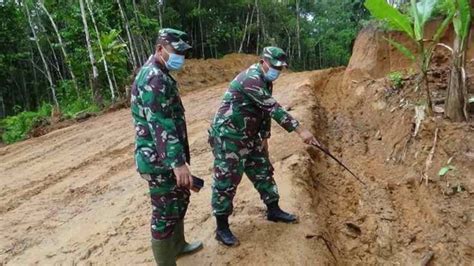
x=174, y=62
x=271, y=73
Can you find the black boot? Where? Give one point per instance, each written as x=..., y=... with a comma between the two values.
x=275, y=214
x=223, y=233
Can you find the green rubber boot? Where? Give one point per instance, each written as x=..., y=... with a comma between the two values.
x=164, y=251
x=184, y=247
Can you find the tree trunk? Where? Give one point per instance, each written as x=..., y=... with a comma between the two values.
x=424, y=64
x=2, y=108
x=25, y=92
x=288, y=47
x=160, y=5
x=106, y=67
x=258, y=27
x=142, y=53
x=298, y=28
x=250, y=23
x=320, y=55
x=129, y=35
x=45, y=64
x=200, y=30
x=63, y=48
x=115, y=82
x=455, y=100
x=95, y=74
x=55, y=64
x=245, y=30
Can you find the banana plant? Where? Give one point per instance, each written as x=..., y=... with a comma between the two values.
x=413, y=25
x=456, y=100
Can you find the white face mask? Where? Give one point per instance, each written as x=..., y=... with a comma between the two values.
x=271, y=74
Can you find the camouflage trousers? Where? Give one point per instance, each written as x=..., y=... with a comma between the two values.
x=169, y=203
x=232, y=158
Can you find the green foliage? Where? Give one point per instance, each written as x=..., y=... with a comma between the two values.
x=380, y=9
x=404, y=50
x=421, y=12
x=79, y=106
x=17, y=127
x=462, y=19
x=319, y=34
x=396, y=79
x=445, y=169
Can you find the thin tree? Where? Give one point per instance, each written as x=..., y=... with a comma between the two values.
x=245, y=28
x=258, y=26
x=2, y=107
x=43, y=59
x=62, y=45
x=250, y=23
x=111, y=86
x=129, y=35
x=456, y=100
x=298, y=41
x=200, y=30
x=95, y=74
x=160, y=5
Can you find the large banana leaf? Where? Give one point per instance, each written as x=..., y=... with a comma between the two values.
x=421, y=12
x=403, y=49
x=444, y=25
x=462, y=19
x=380, y=9
x=425, y=9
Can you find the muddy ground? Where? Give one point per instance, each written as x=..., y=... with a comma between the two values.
x=72, y=196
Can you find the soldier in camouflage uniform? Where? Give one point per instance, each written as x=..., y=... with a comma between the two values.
x=161, y=145
x=239, y=139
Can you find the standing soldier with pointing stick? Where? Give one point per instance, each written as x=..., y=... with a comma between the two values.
x=239, y=140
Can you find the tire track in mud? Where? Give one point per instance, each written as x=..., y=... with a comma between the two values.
x=93, y=188
x=72, y=140
x=50, y=180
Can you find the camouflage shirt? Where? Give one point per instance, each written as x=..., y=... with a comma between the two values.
x=161, y=139
x=247, y=108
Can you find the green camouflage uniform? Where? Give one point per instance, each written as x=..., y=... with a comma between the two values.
x=161, y=142
x=241, y=123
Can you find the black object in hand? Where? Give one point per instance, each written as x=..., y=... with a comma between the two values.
x=198, y=183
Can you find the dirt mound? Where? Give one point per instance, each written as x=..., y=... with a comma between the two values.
x=198, y=73
x=408, y=212
x=373, y=57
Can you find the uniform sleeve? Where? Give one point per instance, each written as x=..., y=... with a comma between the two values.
x=256, y=90
x=265, y=130
x=161, y=123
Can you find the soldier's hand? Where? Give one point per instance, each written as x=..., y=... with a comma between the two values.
x=183, y=176
x=265, y=144
x=306, y=136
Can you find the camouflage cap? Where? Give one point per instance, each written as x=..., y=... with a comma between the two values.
x=176, y=38
x=276, y=56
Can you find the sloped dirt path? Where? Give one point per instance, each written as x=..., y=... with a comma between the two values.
x=73, y=196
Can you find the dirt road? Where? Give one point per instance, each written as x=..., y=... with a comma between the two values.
x=73, y=196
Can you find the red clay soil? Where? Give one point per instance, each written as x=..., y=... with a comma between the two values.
x=72, y=196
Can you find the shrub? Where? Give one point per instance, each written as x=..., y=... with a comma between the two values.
x=17, y=127
x=396, y=80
